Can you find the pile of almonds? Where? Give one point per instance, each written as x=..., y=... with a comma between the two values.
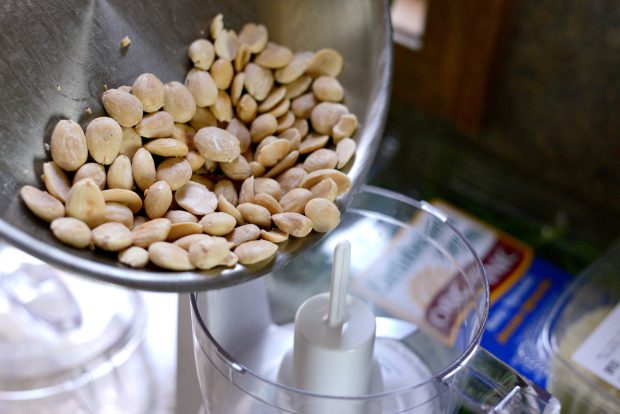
x=242, y=156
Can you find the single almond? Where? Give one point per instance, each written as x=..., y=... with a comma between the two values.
x=86, y=202
x=208, y=253
x=91, y=170
x=179, y=230
x=268, y=186
x=313, y=143
x=118, y=213
x=42, y=204
x=175, y=171
x=195, y=160
x=242, y=234
x=258, y=81
x=125, y=197
x=323, y=213
x=123, y=107
x=156, y=125
x=179, y=102
x=170, y=257
x=274, y=98
x=345, y=149
x=187, y=241
x=283, y=165
x=134, y=256
x=236, y=88
x=216, y=26
x=157, y=199
x=72, y=231
x=120, y=173
x=295, y=224
x=301, y=125
x=325, y=189
x=257, y=169
x=218, y=223
x=222, y=72
x=230, y=260
x=274, y=235
x=269, y=202
x=167, y=147
x=226, y=44
x=143, y=169
x=342, y=180
x=150, y=91
x=255, y=214
x=303, y=105
x=298, y=87
x=346, y=126
x=246, y=108
x=56, y=181
x=321, y=159
x=112, y=236
x=326, y=62
x=181, y=216
x=224, y=206
x=296, y=67
x=201, y=179
x=68, y=145
x=227, y=189
x=201, y=53
x=150, y=232
x=196, y=198
x=222, y=109
x=255, y=251
x=295, y=200
x=326, y=115
x=293, y=136
x=274, y=56
x=241, y=132
x=242, y=58
x=263, y=126
x=132, y=141
x=202, y=87
x=254, y=36
x=217, y=144
x=270, y=154
x=281, y=108
x=104, y=138
x=291, y=178
x=326, y=88
x=202, y=118
x=246, y=192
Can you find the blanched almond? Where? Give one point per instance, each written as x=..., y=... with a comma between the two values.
x=42, y=204
x=227, y=189
x=246, y=192
x=256, y=251
x=345, y=127
x=267, y=185
x=86, y=202
x=218, y=223
x=345, y=149
x=313, y=143
x=295, y=200
x=230, y=260
x=274, y=56
x=325, y=189
x=222, y=109
x=241, y=132
x=112, y=236
x=291, y=178
x=274, y=235
x=156, y=125
x=209, y=252
x=326, y=88
x=143, y=169
x=118, y=213
x=326, y=62
x=293, y=136
x=295, y=224
x=236, y=89
x=68, y=145
x=91, y=170
x=224, y=206
x=175, y=171
x=123, y=107
x=217, y=144
x=150, y=232
x=222, y=72
x=298, y=87
x=168, y=256
x=254, y=36
x=56, y=181
x=269, y=202
x=342, y=180
x=247, y=108
x=258, y=81
x=201, y=179
x=281, y=108
x=181, y=216
x=134, y=256
x=257, y=169
x=242, y=234
x=179, y=102
x=296, y=67
x=195, y=160
x=301, y=125
x=72, y=231
x=323, y=213
x=303, y=105
x=196, y=198
x=326, y=115
x=167, y=147
x=150, y=91
x=120, y=173
x=255, y=214
x=187, y=241
x=179, y=230
x=216, y=26
x=263, y=126
x=104, y=138
x=202, y=118
x=320, y=159
x=275, y=97
x=202, y=87
x=201, y=53
x=126, y=197
x=226, y=44
x=157, y=199
x=132, y=141
x=284, y=164
x=242, y=58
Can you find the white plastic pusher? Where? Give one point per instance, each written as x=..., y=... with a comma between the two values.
x=334, y=338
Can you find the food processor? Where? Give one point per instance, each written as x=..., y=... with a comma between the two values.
x=427, y=356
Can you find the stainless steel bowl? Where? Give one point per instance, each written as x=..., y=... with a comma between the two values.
x=57, y=55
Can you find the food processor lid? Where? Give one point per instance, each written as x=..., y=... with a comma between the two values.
x=54, y=327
